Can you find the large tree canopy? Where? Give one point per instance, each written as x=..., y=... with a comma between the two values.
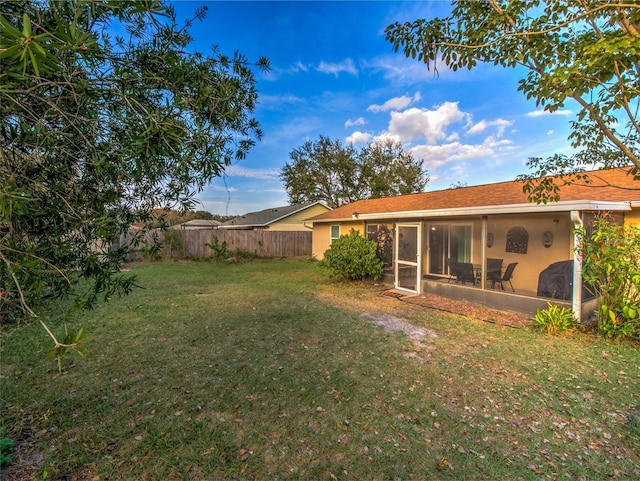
x=587, y=51
x=100, y=129
x=326, y=170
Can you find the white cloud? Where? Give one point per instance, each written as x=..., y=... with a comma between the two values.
x=351, y=123
x=435, y=156
x=299, y=66
x=540, y=113
x=279, y=100
x=417, y=123
x=396, y=103
x=550, y=132
x=263, y=174
x=358, y=137
x=386, y=136
x=346, y=66
x=483, y=125
x=400, y=70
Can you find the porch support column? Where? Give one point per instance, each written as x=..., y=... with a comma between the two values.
x=576, y=303
x=484, y=251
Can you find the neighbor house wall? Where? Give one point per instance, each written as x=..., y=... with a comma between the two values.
x=321, y=238
x=632, y=217
x=295, y=222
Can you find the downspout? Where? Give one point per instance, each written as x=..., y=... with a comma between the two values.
x=576, y=303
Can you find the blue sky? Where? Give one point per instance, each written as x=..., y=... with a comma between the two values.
x=334, y=74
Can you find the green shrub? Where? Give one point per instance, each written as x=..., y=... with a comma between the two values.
x=353, y=256
x=555, y=320
x=611, y=267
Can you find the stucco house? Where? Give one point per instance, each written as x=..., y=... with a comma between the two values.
x=481, y=225
x=287, y=218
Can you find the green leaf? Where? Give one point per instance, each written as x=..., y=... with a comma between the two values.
x=26, y=26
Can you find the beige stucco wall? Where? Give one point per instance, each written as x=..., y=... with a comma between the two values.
x=321, y=237
x=537, y=257
x=295, y=222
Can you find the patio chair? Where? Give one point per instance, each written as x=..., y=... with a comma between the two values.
x=508, y=274
x=465, y=273
x=494, y=271
x=452, y=264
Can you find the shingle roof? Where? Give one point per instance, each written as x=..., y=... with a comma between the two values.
x=266, y=217
x=612, y=185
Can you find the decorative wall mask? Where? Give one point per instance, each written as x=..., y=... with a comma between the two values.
x=517, y=240
x=489, y=239
x=547, y=239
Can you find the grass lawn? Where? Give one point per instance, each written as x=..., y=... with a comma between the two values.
x=267, y=370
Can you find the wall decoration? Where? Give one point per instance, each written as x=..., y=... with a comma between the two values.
x=547, y=239
x=489, y=239
x=517, y=240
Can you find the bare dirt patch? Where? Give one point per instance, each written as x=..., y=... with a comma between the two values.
x=417, y=334
x=396, y=324
x=475, y=311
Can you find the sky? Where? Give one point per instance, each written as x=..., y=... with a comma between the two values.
x=334, y=74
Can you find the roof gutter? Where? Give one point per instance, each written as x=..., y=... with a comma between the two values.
x=567, y=206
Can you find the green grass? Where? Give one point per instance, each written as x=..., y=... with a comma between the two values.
x=265, y=370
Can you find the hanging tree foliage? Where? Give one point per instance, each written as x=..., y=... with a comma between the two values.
x=586, y=51
x=100, y=129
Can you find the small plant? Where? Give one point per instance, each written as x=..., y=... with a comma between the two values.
x=72, y=342
x=555, y=319
x=220, y=249
x=6, y=445
x=353, y=256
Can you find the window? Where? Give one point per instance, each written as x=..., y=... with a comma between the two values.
x=372, y=232
x=335, y=233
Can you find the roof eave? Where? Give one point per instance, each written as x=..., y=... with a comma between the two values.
x=566, y=206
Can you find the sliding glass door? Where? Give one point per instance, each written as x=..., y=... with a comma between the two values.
x=446, y=241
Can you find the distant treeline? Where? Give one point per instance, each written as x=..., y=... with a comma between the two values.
x=174, y=217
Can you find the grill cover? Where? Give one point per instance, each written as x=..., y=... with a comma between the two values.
x=556, y=281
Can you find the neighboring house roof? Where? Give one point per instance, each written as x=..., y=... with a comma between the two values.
x=266, y=217
x=610, y=189
x=198, y=224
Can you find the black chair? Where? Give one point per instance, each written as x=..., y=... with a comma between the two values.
x=465, y=273
x=452, y=264
x=508, y=274
x=494, y=271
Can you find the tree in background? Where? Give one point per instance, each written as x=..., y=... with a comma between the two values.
x=587, y=51
x=326, y=170
x=100, y=129
x=170, y=217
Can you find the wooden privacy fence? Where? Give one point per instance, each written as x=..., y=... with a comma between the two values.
x=193, y=243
